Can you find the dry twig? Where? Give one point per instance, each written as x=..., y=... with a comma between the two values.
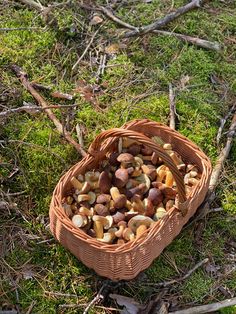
x=180, y=279
x=164, y=21
x=208, y=308
x=172, y=107
x=192, y=40
x=222, y=123
x=25, y=82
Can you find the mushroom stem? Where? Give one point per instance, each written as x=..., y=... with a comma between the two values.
x=76, y=184
x=98, y=228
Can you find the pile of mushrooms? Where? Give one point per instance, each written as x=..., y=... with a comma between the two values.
x=129, y=191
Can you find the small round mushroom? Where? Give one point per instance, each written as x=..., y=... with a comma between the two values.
x=125, y=159
x=85, y=188
x=121, y=177
x=177, y=160
x=128, y=234
x=79, y=220
x=104, y=182
x=134, y=149
x=90, y=197
x=92, y=178
x=103, y=198
x=122, y=225
x=85, y=211
x=150, y=171
x=101, y=210
x=119, y=199
x=193, y=181
x=69, y=200
x=130, y=214
x=155, y=196
x=140, y=189
x=139, y=220
x=117, y=217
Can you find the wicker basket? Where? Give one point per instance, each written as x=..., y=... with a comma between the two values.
x=126, y=261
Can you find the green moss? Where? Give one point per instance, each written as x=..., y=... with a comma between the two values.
x=197, y=287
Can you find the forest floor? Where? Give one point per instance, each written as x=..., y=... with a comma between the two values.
x=117, y=80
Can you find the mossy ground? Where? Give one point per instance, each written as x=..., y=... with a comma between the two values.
x=134, y=85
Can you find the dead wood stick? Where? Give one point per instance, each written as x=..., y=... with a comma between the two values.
x=33, y=109
x=222, y=123
x=172, y=107
x=165, y=20
x=204, y=209
x=25, y=82
x=208, y=308
x=180, y=279
x=86, y=49
x=96, y=299
x=223, y=156
x=116, y=19
x=192, y=40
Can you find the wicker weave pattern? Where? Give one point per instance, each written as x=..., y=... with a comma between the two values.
x=126, y=261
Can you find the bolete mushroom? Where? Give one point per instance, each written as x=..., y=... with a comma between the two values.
x=139, y=220
x=67, y=209
x=76, y=183
x=92, y=178
x=103, y=198
x=140, y=230
x=79, y=220
x=144, y=179
x=98, y=229
x=109, y=236
x=125, y=159
x=119, y=199
x=104, y=182
x=101, y=210
x=160, y=213
x=107, y=221
x=117, y=217
x=155, y=196
x=90, y=197
x=128, y=234
x=122, y=225
x=134, y=149
x=137, y=204
x=121, y=177
x=169, y=179
x=148, y=207
x=85, y=211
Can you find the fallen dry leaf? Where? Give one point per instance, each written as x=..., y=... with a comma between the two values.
x=61, y=95
x=96, y=19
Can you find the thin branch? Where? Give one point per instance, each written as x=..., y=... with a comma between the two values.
x=207, y=308
x=180, y=279
x=222, y=123
x=96, y=299
x=165, y=20
x=172, y=107
x=79, y=133
x=33, y=109
x=192, y=40
x=86, y=49
x=108, y=13
x=223, y=156
x=25, y=82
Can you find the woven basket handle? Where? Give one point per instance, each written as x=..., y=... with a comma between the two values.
x=94, y=149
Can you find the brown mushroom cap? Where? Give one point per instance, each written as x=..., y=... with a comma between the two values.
x=134, y=149
x=155, y=196
x=139, y=220
x=146, y=151
x=148, y=207
x=113, y=159
x=117, y=217
x=104, y=182
x=169, y=193
x=136, y=190
x=103, y=198
x=120, y=201
x=125, y=158
x=101, y=210
x=121, y=177
x=150, y=171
